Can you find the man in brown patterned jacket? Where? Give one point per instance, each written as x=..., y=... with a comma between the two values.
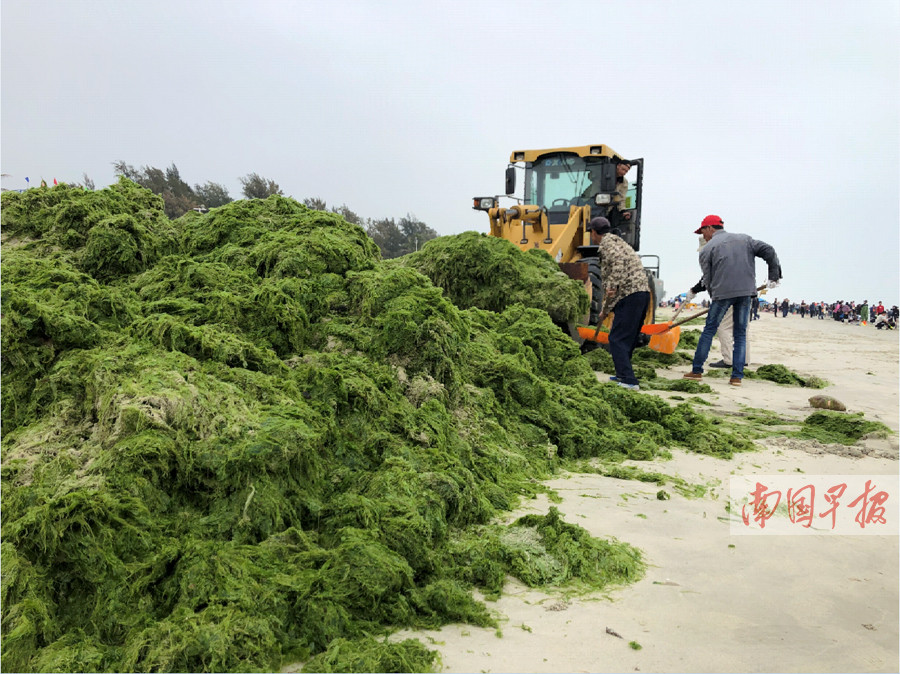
x=627, y=294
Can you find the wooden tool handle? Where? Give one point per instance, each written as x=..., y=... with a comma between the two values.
x=705, y=311
x=689, y=318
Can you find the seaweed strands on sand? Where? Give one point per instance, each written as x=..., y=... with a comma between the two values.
x=782, y=375
x=241, y=439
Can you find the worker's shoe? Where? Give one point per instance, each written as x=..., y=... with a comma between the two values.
x=615, y=380
x=630, y=387
x=696, y=376
x=735, y=381
x=720, y=363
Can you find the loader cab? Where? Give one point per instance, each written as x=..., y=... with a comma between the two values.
x=560, y=179
x=563, y=188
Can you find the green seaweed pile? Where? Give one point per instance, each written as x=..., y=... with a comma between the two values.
x=371, y=655
x=477, y=270
x=782, y=375
x=600, y=360
x=840, y=427
x=241, y=439
x=689, y=339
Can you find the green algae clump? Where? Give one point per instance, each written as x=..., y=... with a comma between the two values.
x=241, y=439
x=477, y=270
x=371, y=655
x=840, y=427
x=782, y=375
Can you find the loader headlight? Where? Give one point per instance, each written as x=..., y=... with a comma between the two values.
x=602, y=199
x=484, y=203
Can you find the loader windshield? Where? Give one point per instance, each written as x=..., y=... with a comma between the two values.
x=558, y=181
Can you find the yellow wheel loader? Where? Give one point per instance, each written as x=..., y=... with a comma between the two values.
x=563, y=189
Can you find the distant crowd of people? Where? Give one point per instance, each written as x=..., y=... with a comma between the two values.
x=856, y=313
x=859, y=313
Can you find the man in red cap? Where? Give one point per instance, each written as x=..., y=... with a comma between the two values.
x=728, y=263
x=725, y=333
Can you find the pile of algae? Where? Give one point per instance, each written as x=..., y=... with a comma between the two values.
x=842, y=428
x=240, y=439
x=477, y=270
x=782, y=375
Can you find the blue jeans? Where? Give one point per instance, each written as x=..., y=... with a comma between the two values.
x=717, y=311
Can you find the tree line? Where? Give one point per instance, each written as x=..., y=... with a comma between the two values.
x=393, y=237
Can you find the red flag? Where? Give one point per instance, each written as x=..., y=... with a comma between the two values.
x=54, y=182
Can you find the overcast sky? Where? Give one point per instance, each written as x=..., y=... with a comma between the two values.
x=782, y=117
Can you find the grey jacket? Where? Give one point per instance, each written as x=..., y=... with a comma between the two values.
x=728, y=263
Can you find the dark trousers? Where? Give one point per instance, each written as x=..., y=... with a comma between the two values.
x=624, y=333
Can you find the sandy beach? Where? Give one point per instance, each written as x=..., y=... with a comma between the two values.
x=712, y=600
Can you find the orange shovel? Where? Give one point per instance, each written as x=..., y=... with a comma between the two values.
x=654, y=329
x=592, y=335
x=657, y=328
x=665, y=340
x=665, y=336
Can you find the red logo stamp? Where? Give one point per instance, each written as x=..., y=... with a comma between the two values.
x=821, y=504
